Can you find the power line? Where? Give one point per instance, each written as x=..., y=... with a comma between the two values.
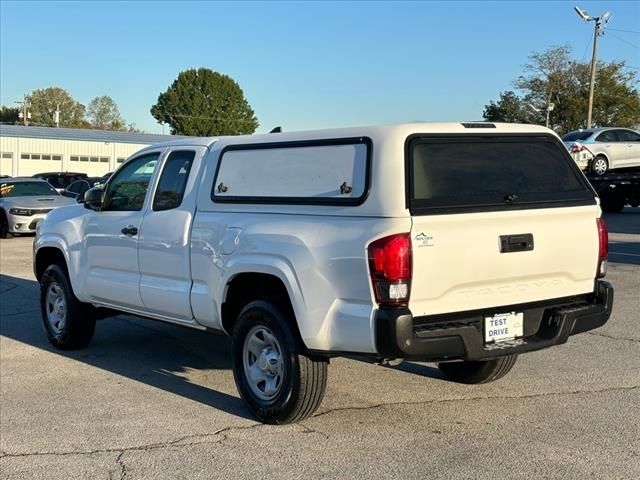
x=625, y=31
x=624, y=41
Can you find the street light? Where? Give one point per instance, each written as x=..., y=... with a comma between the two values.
x=549, y=108
x=600, y=23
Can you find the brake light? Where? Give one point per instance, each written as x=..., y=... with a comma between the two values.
x=390, y=269
x=603, y=248
x=575, y=148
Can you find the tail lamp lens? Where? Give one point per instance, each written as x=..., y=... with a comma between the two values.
x=390, y=269
x=603, y=249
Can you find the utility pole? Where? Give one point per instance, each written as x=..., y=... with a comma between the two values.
x=56, y=115
x=24, y=114
x=596, y=34
x=600, y=22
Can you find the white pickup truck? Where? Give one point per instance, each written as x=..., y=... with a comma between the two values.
x=465, y=244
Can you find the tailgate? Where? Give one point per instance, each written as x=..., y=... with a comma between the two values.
x=497, y=220
x=458, y=264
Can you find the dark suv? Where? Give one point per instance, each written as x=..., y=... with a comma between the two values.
x=60, y=180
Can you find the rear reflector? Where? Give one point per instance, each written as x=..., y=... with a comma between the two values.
x=603, y=247
x=390, y=269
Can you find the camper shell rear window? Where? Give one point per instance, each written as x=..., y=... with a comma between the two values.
x=318, y=172
x=455, y=173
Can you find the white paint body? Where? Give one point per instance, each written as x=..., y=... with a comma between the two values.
x=179, y=266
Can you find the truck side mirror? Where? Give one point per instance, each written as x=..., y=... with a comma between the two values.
x=93, y=198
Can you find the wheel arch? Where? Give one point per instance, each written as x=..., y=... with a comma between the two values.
x=265, y=284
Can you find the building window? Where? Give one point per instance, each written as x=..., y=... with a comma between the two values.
x=7, y=155
x=120, y=160
x=93, y=159
x=38, y=156
x=73, y=158
x=104, y=159
x=84, y=159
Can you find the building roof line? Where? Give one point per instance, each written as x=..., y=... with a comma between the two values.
x=87, y=135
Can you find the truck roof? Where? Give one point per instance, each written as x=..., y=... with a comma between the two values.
x=402, y=129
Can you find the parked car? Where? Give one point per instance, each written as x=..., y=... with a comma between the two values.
x=24, y=201
x=602, y=149
x=78, y=188
x=463, y=244
x=60, y=180
x=105, y=177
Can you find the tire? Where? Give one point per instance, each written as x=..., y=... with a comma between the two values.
x=278, y=382
x=612, y=202
x=68, y=323
x=4, y=225
x=478, y=372
x=600, y=165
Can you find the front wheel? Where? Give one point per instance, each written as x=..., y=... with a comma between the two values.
x=4, y=225
x=68, y=323
x=278, y=383
x=478, y=372
x=600, y=165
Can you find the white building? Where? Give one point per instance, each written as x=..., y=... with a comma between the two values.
x=25, y=151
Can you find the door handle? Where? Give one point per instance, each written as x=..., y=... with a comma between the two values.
x=129, y=230
x=516, y=243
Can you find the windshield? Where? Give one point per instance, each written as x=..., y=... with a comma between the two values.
x=573, y=136
x=26, y=189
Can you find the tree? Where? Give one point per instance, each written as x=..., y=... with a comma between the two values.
x=553, y=77
x=9, y=114
x=510, y=108
x=43, y=104
x=103, y=114
x=205, y=103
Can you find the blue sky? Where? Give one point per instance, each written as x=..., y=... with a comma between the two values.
x=301, y=64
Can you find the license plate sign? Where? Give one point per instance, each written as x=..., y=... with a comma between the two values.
x=504, y=326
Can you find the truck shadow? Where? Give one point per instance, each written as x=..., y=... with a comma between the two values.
x=153, y=353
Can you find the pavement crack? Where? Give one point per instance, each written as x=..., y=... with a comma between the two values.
x=306, y=429
x=217, y=437
x=472, y=399
x=625, y=339
x=12, y=287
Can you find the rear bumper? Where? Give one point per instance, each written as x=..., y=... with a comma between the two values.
x=460, y=336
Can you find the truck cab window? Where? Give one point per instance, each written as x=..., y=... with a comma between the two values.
x=127, y=189
x=173, y=180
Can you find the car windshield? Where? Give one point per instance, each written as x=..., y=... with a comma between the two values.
x=26, y=189
x=574, y=136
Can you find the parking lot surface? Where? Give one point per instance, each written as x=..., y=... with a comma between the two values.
x=147, y=400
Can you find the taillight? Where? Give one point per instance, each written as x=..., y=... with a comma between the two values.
x=390, y=269
x=603, y=249
x=576, y=148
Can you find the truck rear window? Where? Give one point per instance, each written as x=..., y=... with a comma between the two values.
x=495, y=172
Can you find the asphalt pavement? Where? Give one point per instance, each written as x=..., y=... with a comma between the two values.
x=148, y=400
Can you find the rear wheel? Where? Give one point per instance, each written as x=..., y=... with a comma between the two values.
x=478, y=372
x=278, y=383
x=600, y=165
x=68, y=323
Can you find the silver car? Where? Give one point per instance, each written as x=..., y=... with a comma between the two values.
x=602, y=149
x=26, y=201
